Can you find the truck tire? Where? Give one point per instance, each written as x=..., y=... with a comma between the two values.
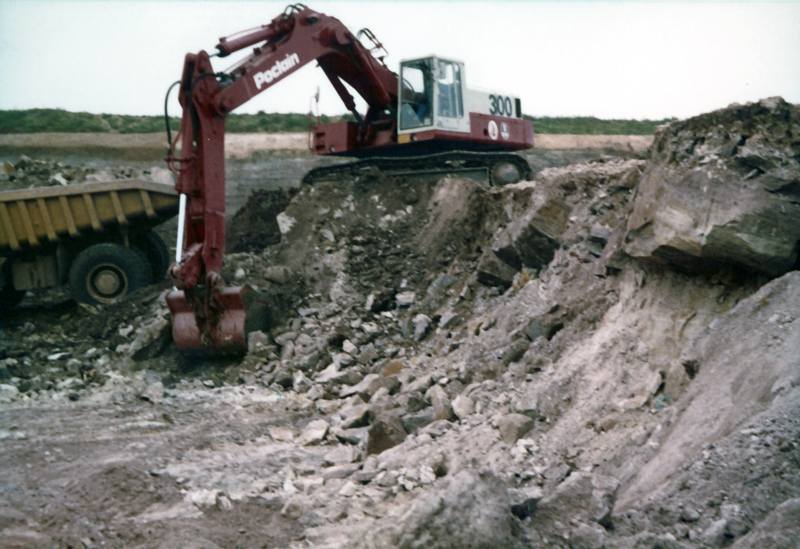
x=156, y=251
x=106, y=273
x=9, y=296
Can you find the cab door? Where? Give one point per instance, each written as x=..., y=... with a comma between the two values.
x=416, y=110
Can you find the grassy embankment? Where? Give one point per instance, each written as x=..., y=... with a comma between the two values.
x=56, y=120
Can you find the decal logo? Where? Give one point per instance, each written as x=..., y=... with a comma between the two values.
x=493, y=129
x=504, y=131
x=280, y=67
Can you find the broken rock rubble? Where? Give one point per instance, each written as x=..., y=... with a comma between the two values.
x=413, y=393
x=27, y=173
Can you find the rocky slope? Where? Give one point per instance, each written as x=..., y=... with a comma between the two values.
x=606, y=356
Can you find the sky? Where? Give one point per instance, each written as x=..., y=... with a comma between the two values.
x=628, y=60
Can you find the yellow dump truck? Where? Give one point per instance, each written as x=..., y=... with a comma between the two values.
x=97, y=238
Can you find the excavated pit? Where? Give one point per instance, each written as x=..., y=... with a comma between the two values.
x=440, y=364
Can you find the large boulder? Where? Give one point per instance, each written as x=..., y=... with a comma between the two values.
x=532, y=240
x=722, y=187
x=492, y=271
x=470, y=510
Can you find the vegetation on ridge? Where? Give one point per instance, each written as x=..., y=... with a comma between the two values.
x=61, y=121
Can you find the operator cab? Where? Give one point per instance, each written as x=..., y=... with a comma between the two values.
x=432, y=95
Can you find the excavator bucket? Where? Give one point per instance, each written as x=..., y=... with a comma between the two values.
x=209, y=323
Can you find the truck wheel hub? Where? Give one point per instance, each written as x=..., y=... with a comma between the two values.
x=106, y=281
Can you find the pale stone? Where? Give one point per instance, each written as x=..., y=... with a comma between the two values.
x=314, y=433
x=405, y=299
x=513, y=427
x=349, y=348
x=463, y=406
x=281, y=434
x=349, y=489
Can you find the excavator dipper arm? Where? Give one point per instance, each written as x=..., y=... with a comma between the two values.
x=207, y=315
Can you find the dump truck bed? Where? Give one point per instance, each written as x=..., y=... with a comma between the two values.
x=36, y=217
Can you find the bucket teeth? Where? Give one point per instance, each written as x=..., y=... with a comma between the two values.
x=217, y=328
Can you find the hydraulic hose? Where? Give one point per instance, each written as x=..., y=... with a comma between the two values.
x=166, y=113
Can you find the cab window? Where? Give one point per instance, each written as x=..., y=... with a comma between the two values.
x=416, y=95
x=448, y=88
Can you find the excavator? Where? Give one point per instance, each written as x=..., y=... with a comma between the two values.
x=423, y=120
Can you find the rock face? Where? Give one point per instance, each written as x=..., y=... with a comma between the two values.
x=756, y=346
x=562, y=208
x=722, y=187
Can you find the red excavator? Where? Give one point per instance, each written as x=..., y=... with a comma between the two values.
x=424, y=120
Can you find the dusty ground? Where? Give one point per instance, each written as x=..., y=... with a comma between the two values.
x=110, y=438
x=96, y=477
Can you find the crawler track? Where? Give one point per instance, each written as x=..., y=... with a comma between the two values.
x=493, y=167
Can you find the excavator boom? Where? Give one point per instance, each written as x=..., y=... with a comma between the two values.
x=206, y=314
x=432, y=123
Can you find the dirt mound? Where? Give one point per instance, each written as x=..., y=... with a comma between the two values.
x=255, y=226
